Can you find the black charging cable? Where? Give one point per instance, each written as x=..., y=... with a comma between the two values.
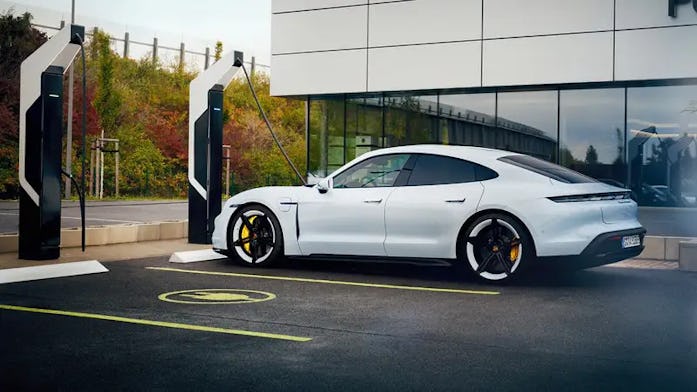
x=81, y=196
x=268, y=124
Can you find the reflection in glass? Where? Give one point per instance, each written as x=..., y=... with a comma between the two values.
x=662, y=146
x=363, y=126
x=411, y=119
x=326, y=144
x=527, y=123
x=466, y=119
x=591, y=133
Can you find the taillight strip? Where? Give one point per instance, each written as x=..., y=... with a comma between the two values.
x=591, y=197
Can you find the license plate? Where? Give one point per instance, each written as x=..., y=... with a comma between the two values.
x=631, y=241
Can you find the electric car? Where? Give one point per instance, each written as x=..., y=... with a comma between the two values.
x=494, y=211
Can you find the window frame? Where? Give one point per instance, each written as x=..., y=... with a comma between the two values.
x=397, y=181
x=411, y=164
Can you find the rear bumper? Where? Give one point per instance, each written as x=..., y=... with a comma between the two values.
x=604, y=249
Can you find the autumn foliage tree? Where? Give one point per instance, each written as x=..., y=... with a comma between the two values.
x=17, y=41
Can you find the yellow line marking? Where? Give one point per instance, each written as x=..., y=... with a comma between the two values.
x=325, y=281
x=163, y=324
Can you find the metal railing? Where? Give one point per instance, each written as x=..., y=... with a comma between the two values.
x=155, y=47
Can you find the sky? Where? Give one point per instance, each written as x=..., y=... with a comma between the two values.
x=240, y=24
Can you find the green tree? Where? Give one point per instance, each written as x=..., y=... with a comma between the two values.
x=108, y=100
x=218, y=50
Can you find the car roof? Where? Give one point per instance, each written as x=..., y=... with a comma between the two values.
x=469, y=153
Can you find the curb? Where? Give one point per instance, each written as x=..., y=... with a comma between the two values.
x=662, y=248
x=112, y=234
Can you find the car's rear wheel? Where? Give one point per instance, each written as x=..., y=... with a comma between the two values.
x=255, y=237
x=497, y=247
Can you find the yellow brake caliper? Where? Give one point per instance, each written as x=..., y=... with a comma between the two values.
x=513, y=254
x=245, y=235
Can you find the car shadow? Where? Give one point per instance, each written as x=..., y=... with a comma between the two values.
x=444, y=272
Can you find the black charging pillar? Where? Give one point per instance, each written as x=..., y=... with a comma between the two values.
x=208, y=153
x=206, y=146
x=41, y=144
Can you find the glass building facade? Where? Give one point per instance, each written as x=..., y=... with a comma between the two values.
x=640, y=137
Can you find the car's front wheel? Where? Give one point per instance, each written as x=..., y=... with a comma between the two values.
x=497, y=247
x=255, y=237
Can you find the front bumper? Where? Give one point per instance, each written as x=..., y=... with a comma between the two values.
x=604, y=249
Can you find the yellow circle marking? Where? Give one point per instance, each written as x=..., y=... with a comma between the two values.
x=216, y=296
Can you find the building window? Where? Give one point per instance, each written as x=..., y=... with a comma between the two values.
x=363, y=126
x=466, y=118
x=411, y=119
x=662, y=146
x=591, y=133
x=326, y=139
x=527, y=123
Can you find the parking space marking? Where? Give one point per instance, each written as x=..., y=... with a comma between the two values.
x=326, y=281
x=216, y=296
x=163, y=324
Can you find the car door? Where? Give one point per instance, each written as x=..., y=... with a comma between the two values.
x=349, y=217
x=423, y=218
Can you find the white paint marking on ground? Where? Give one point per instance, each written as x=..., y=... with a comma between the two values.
x=78, y=218
x=194, y=256
x=24, y=274
x=645, y=264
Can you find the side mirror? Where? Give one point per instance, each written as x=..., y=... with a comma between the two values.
x=324, y=185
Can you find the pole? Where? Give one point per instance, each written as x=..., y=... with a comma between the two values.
x=116, y=176
x=182, y=51
x=154, y=50
x=126, y=42
x=69, y=138
x=208, y=58
x=101, y=167
x=254, y=65
x=92, y=149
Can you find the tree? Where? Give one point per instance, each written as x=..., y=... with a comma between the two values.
x=108, y=100
x=218, y=50
x=17, y=41
x=591, y=156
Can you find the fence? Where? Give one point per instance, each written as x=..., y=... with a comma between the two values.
x=155, y=47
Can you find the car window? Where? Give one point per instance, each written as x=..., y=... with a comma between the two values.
x=380, y=171
x=435, y=169
x=547, y=169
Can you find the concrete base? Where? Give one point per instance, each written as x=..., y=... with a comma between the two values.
x=195, y=256
x=688, y=256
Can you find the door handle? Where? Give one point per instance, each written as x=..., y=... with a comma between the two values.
x=457, y=200
x=373, y=201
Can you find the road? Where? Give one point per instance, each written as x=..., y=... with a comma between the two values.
x=349, y=326
x=102, y=213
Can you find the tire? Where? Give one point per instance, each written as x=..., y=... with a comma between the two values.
x=496, y=248
x=255, y=238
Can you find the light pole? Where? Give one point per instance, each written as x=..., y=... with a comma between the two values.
x=69, y=140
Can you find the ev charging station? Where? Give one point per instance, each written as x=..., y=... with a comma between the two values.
x=40, y=143
x=206, y=145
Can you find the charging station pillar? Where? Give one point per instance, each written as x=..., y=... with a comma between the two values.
x=40, y=144
x=206, y=145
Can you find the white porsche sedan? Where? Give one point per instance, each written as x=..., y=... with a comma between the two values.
x=495, y=211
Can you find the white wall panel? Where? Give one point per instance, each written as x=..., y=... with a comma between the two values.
x=337, y=28
x=656, y=53
x=516, y=18
x=551, y=59
x=424, y=66
x=319, y=73
x=425, y=21
x=633, y=14
x=297, y=5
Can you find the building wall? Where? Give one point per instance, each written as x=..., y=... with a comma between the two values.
x=353, y=46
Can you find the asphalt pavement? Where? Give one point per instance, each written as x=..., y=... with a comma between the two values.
x=326, y=325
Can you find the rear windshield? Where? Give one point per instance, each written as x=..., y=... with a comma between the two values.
x=547, y=169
